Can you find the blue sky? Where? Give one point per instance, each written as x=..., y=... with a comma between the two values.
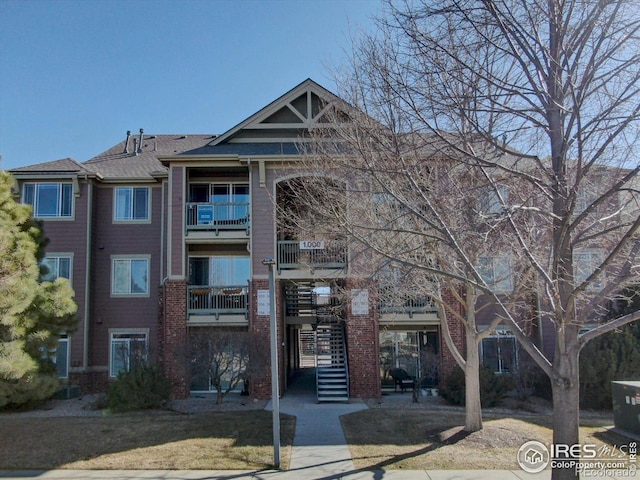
x=75, y=75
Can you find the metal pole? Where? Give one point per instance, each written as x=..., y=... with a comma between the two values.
x=275, y=395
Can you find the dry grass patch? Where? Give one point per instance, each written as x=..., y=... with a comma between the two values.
x=149, y=440
x=415, y=439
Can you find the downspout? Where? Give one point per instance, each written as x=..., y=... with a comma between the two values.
x=87, y=287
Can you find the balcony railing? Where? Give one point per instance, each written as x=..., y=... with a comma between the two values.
x=408, y=304
x=332, y=255
x=217, y=216
x=210, y=300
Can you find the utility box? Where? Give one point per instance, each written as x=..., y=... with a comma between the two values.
x=626, y=405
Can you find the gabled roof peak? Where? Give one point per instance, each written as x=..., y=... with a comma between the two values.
x=284, y=118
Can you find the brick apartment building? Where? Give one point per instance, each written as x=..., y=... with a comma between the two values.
x=162, y=235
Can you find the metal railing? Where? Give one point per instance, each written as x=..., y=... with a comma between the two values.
x=213, y=300
x=217, y=216
x=405, y=303
x=291, y=257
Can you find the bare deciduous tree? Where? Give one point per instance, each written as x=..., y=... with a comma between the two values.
x=223, y=359
x=531, y=110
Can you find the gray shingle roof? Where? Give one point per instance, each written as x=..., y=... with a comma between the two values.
x=116, y=163
x=287, y=148
x=65, y=165
x=119, y=164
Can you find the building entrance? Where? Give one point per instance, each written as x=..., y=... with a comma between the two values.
x=316, y=339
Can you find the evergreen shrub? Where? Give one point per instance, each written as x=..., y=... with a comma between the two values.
x=143, y=387
x=612, y=356
x=493, y=387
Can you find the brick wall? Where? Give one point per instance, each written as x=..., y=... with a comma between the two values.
x=172, y=336
x=260, y=387
x=457, y=334
x=362, y=334
x=90, y=382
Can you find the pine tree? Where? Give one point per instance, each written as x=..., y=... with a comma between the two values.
x=33, y=314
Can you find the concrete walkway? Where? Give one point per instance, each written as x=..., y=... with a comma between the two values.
x=319, y=441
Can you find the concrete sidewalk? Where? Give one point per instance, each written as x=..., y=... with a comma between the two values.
x=319, y=441
x=304, y=474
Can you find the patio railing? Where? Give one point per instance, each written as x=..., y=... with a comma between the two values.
x=404, y=303
x=291, y=256
x=212, y=300
x=217, y=216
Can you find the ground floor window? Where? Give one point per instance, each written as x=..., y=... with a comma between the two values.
x=414, y=351
x=499, y=352
x=61, y=358
x=128, y=349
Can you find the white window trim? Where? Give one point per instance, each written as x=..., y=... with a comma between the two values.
x=490, y=200
x=59, y=255
x=125, y=331
x=132, y=220
x=113, y=275
x=581, y=277
x=55, y=218
x=495, y=286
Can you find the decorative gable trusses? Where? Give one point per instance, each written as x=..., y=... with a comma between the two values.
x=285, y=119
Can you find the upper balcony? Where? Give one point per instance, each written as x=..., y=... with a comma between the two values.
x=217, y=217
x=308, y=257
x=217, y=210
x=398, y=307
x=218, y=305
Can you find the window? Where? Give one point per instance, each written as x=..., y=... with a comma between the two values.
x=496, y=273
x=131, y=204
x=499, y=352
x=130, y=276
x=61, y=358
x=49, y=200
x=584, y=264
x=492, y=201
x=219, y=271
x=225, y=203
x=56, y=266
x=128, y=349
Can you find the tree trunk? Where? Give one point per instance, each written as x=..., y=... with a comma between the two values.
x=473, y=409
x=566, y=409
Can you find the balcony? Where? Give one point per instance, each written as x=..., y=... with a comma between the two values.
x=313, y=255
x=215, y=305
x=206, y=218
x=398, y=307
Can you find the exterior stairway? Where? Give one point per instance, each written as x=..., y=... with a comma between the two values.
x=299, y=300
x=332, y=378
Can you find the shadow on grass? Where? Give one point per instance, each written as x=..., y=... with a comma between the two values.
x=227, y=440
x=452, y=440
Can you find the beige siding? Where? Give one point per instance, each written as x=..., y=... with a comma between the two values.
x=262, y=222
x=176, y=213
